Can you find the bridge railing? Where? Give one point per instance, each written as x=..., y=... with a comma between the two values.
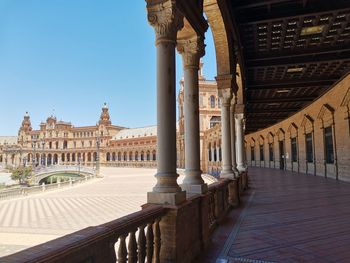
x=25, y=191
x=63, y=168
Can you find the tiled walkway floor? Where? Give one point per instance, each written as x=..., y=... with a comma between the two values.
x=286, y=217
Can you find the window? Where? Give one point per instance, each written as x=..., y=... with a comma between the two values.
x=219, y=103
x=261, y=149
x=271, y=152
x=309, y=148
x=212, y=101
x=293, y=142
x=214, y=121
x=328, y=139
x=252, y=153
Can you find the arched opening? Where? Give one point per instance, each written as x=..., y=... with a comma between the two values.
x=142, y=156
x=136, y=156
x=130, y=156
x=125, y=156
x=212, y=101
x=209, y=152
x=154, y=155
x=55, y=158
x=89, y=157
x=49, y=159
x=148, y=156
x=119, y=156
x=108, y=157
x=215, y=120
x=113, y=156
x=73, y=157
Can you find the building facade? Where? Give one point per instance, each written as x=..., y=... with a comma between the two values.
x=59, y=142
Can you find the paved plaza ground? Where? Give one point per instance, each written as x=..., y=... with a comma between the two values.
x=35, y=219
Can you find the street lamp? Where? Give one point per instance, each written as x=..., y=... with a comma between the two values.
x=79, y=166
x=34, y=147
x=98, y=142
x=42, y=155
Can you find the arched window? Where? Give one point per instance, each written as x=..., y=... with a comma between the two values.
x=124, y=156
x=89, y=157
x=95, y=156
x=209, y=152
x=68, y=157
x=212, y=101
x=73, y=157
x=142, y=156
x=108, y=157
x=214, y=121
x=119, y=156
x=136, y=156
x=215, y=159
x=154, y=156
x=148, y=156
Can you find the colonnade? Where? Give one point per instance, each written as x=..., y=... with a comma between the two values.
x=168, y=23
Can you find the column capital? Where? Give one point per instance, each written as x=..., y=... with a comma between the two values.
x=166, y=20
x=239, y=116
x=227, y=81
x=191, y=49
x=233, y=101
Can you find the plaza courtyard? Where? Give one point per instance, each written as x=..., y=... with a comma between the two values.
x=38, y=218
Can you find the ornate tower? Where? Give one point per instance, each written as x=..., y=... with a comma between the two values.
x=104, y=118
x=26, y=124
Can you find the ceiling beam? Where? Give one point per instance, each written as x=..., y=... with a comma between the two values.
x=283, y=110
x=290, y=85
x=268, y=14
x=281, y=100
x=302, y=53
x=338, y=56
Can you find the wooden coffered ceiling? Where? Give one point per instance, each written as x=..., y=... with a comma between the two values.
x=293, y=50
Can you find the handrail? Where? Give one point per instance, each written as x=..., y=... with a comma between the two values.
x=103, y=243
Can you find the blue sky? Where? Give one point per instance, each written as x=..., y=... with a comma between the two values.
x=72, y=56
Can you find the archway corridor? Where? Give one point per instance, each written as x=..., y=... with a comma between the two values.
x=285, y=217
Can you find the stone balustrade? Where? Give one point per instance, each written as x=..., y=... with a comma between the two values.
x=157, y=233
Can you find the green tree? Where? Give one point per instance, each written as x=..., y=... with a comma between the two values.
x=21, y=174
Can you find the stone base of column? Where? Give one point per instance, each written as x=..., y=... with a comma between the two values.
x=227, y=174
x=241, y=168
x=234, y=199
x=194, y=188
x=166, y=198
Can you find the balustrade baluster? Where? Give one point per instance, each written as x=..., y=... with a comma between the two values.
x=122, y=252
x=141, y=246
x=132, y=248
x=156, y=248
x=149, y=243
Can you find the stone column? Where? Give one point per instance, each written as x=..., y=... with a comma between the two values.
x=233, y=134
x=192, y=49
x=225, y=93
x=240, y=142
x=166, y=20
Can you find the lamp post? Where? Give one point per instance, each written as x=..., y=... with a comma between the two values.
x=98, y=153
x=42, y=155
x=79, y=166
x=34, y=157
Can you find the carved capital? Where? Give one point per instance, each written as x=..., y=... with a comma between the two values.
x=191, y=50
x=166, y=20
